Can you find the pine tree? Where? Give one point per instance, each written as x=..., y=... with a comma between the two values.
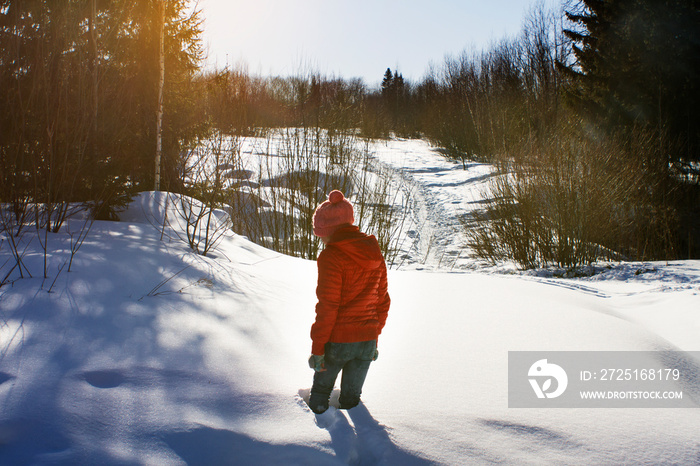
x=387, y=82
x=395, y=99
x=638, y=63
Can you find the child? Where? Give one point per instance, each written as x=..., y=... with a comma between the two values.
x=352, y=307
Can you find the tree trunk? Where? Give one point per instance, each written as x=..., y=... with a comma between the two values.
x=161, y=80
x=93, y=59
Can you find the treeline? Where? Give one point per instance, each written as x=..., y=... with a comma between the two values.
x=475, y=105
x=238, y=103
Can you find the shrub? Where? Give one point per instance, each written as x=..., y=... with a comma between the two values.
x=573, y=198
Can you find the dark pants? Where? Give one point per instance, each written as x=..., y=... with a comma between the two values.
x=354, y=360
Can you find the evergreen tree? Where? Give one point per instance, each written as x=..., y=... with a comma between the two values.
x=395, y=97
x=387, y=82
x=638, y=63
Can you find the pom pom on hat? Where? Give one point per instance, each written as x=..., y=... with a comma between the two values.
x=336, y=197
x=332, y=213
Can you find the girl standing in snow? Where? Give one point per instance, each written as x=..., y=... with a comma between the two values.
x=352, y=307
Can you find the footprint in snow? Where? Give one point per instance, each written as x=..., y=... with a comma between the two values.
x=5, y=377
x=538, y=434
x=104, y=379
x=305, y=393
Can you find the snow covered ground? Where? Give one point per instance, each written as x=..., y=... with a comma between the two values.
x=146, y=353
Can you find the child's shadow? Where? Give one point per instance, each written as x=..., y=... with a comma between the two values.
x=366, y=441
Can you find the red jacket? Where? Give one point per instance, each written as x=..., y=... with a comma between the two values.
x=353, y=300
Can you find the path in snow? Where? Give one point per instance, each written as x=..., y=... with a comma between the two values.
x=443, y=197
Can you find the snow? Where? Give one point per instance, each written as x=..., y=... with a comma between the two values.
x=146, y=353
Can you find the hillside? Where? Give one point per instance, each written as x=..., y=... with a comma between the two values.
x=146, y=353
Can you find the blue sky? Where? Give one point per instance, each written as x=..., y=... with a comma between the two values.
x=358, y=38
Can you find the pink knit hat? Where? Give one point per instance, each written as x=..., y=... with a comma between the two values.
x=332, y=213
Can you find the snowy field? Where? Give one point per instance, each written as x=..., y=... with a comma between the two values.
x=146, y=353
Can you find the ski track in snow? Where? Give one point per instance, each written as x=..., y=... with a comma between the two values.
x=440, y=195
x=427, y=219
